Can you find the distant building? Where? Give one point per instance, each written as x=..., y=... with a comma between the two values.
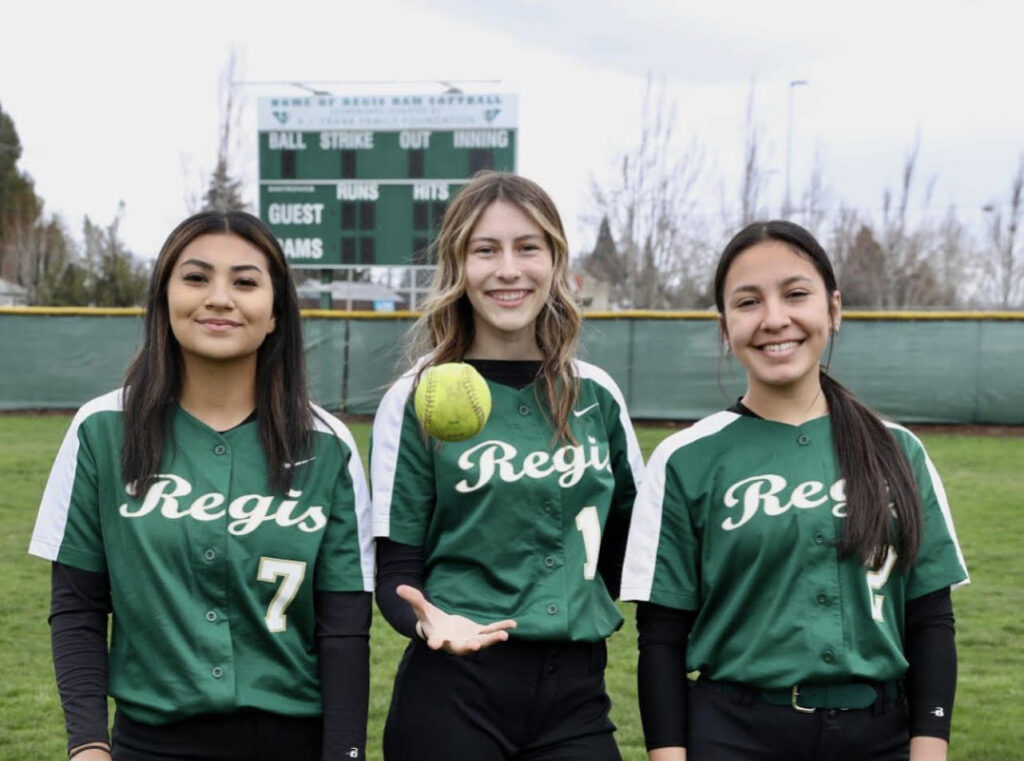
x=12, y=294
x=357, y=296
x=591, y=293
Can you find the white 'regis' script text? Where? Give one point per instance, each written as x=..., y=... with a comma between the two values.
x=768, y=493
x=501, y=458
x=247, y=512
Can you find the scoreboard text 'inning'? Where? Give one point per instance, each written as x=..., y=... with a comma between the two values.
x=364, y=180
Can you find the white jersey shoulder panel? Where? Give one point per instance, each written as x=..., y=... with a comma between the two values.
x=645, y=528
x=53, y=508
x=602, y=378
x=325, y=422
x=387, y=437
x=940, y=496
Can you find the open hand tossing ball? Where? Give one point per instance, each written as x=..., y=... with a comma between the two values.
x=452, y=401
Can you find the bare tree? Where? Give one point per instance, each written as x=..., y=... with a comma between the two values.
x=221, y=189
x=952, y=259
x=650, y=209
x=894, y=225
x=815, y=200
x=753, y=180
x=903, y=262
x=906, y=271
x=842, y=237
x=1004, y=273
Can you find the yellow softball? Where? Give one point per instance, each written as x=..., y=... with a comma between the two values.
x=452, y=401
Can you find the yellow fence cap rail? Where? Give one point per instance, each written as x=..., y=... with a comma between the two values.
x=627, y=314
x=82, y=311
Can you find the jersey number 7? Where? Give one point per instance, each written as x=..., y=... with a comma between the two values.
x=293, y=572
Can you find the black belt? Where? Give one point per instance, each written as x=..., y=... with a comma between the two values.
x=538, y=656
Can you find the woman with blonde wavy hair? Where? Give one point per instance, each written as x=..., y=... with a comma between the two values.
x=500, y=556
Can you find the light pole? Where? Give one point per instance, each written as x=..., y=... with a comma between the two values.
x=787, y=207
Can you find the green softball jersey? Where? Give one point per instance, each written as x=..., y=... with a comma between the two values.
x=510, y=521
x=738, y=519
x=212, y=574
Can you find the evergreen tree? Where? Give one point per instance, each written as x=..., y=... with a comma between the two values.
x=20, y=209
x=224, y=192
x=115, y=277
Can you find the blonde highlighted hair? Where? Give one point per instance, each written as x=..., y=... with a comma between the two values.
x=445, y=331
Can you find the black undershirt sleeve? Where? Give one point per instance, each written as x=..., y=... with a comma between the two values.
x=613, y=551
x=930, y=649
x=343, y=657
x=79, y=611
x=661, y=673
x=398, y=564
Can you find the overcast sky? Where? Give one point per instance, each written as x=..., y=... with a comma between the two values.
x=118, y=100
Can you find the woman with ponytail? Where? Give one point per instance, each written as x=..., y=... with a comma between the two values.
x=796, y=551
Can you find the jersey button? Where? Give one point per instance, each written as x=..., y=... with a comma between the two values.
x=549, y=561
x=211, y=616
x=552, y=609
x=819, y=537
x=209, y=554
x=822, y=598
x=524, y=410
x=217, y=672
x=828, y=656
x=220, y=449
x=803, y=439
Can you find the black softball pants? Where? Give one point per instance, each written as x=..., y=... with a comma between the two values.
x=726, y=724
x=528, y=701
x=247, y=735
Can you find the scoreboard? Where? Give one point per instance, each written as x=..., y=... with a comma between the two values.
x=364, y=180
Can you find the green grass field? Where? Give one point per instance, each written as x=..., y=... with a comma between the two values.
x=982, y=477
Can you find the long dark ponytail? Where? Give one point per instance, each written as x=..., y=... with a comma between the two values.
x=154, y=378
x=879, y=482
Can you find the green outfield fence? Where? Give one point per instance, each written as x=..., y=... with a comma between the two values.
x=914, y=367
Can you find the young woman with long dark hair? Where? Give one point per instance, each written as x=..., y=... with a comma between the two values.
x=796, y=550
x=221, y=518
x=499, y=556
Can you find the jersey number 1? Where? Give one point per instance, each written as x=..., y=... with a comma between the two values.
x=293, y=572
x=588, y=523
